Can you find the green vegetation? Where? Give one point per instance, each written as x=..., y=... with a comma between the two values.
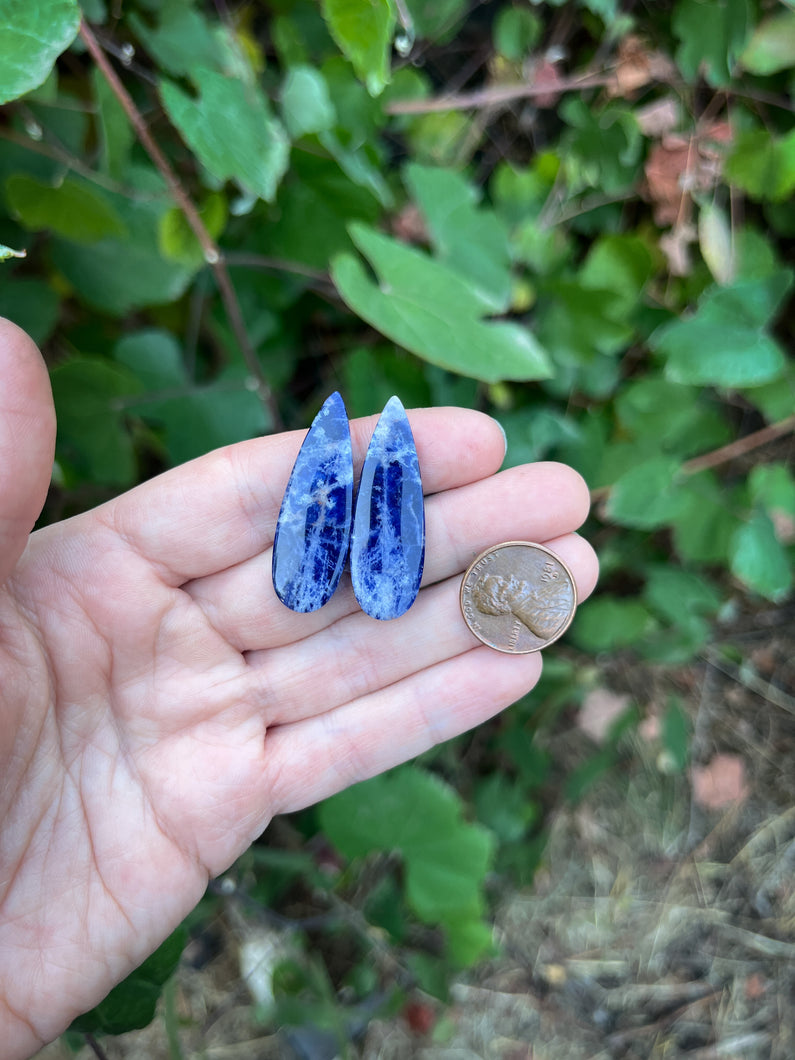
x=574, y=215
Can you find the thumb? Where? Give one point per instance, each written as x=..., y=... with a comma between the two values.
x=27, y=441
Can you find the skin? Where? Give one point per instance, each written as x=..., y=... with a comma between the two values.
x=159, y=705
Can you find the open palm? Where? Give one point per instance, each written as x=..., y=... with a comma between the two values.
x=158, y=704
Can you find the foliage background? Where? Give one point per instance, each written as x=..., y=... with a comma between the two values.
x=577, y=216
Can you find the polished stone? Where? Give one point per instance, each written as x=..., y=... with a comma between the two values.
x=310, y=546
x=388, y=537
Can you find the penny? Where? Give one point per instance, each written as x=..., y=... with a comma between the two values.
x=518, y=597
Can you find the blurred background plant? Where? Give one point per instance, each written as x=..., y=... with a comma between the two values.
x=577, y=216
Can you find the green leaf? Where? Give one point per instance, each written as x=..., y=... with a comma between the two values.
x=194, y=418
x=534, y=432
x=686, y=602
x=678, y=419
x=468, y=238
x=646, y=496
x=373, y=375
x=117, y=275
x=772, y=45
x=116, y=134
x=363, y=31
x=252, y=149
x=576, y=323
x=446, y=859
x=621, y=265
x=775, y=400
x=715, y=242
x=315, y=203
x=773, y=487
x=306, y=103
x=33, y=34
x=436, y=20
x=93, y=439
x=711, y=37
x=759, y=560
x=131, y=1005
x=176, y=238
x=516, y=32
x=73, y=209
x=183, y=40
x=763, y=165
x=608, y=623
x=705, y=523
x=431, y=310
x=725, y=342
x=677, y=594
x=32, y=304
x=443, y=138
x=603, y=147
x=503, y=807
x=676, y=736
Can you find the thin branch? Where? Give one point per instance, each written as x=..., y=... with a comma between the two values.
x=497, y=94
x=210, y=250
x=69, y=161
x=740, y=447
x=724, y=454
x=97, y=1049
x=261, y=261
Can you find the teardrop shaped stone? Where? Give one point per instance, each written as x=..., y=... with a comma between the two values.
x=310, y=545
x=388, y=536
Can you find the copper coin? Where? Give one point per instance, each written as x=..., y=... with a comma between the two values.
x=518, y=597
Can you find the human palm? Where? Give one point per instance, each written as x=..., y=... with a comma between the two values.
x=158, y=704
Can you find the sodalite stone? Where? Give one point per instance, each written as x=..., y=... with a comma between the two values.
x=313, y=530
x=388, y=537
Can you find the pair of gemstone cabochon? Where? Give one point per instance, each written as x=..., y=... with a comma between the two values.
x=319, y=528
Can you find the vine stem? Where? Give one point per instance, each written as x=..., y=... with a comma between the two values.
x=212, y=254
x=96, y=1048
x=497, y=94
x=725, y=453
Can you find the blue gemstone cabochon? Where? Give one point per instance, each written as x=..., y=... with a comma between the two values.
x=388, y=536
x=310, y=545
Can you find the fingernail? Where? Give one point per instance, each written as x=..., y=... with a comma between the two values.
x=504, y=437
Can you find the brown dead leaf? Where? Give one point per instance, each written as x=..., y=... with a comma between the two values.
x=660, y=117
x=546, y=75
x=409, y=225
x=666, y=164
x=783, y=525
x=637, y=66
x=675, y=245
x=599, y=710
x=650, y=728
x=679, y=165
x=720, y=782
x=755, y=986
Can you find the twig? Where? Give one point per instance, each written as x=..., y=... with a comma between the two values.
x=723, y=455
x=210, y=250
x=261, y=261
x=99, y=1052
x=740, y=447
x=766, y=689
x=489, y=97
x=58, y=154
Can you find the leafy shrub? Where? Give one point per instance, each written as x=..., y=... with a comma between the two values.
x=572, y=216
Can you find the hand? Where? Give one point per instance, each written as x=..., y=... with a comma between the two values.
x=158, y=704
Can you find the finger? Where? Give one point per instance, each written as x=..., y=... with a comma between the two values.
x=534, y=502
x=27, y=440
x=357, y=656
x=309, y=760
x=221, y=509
